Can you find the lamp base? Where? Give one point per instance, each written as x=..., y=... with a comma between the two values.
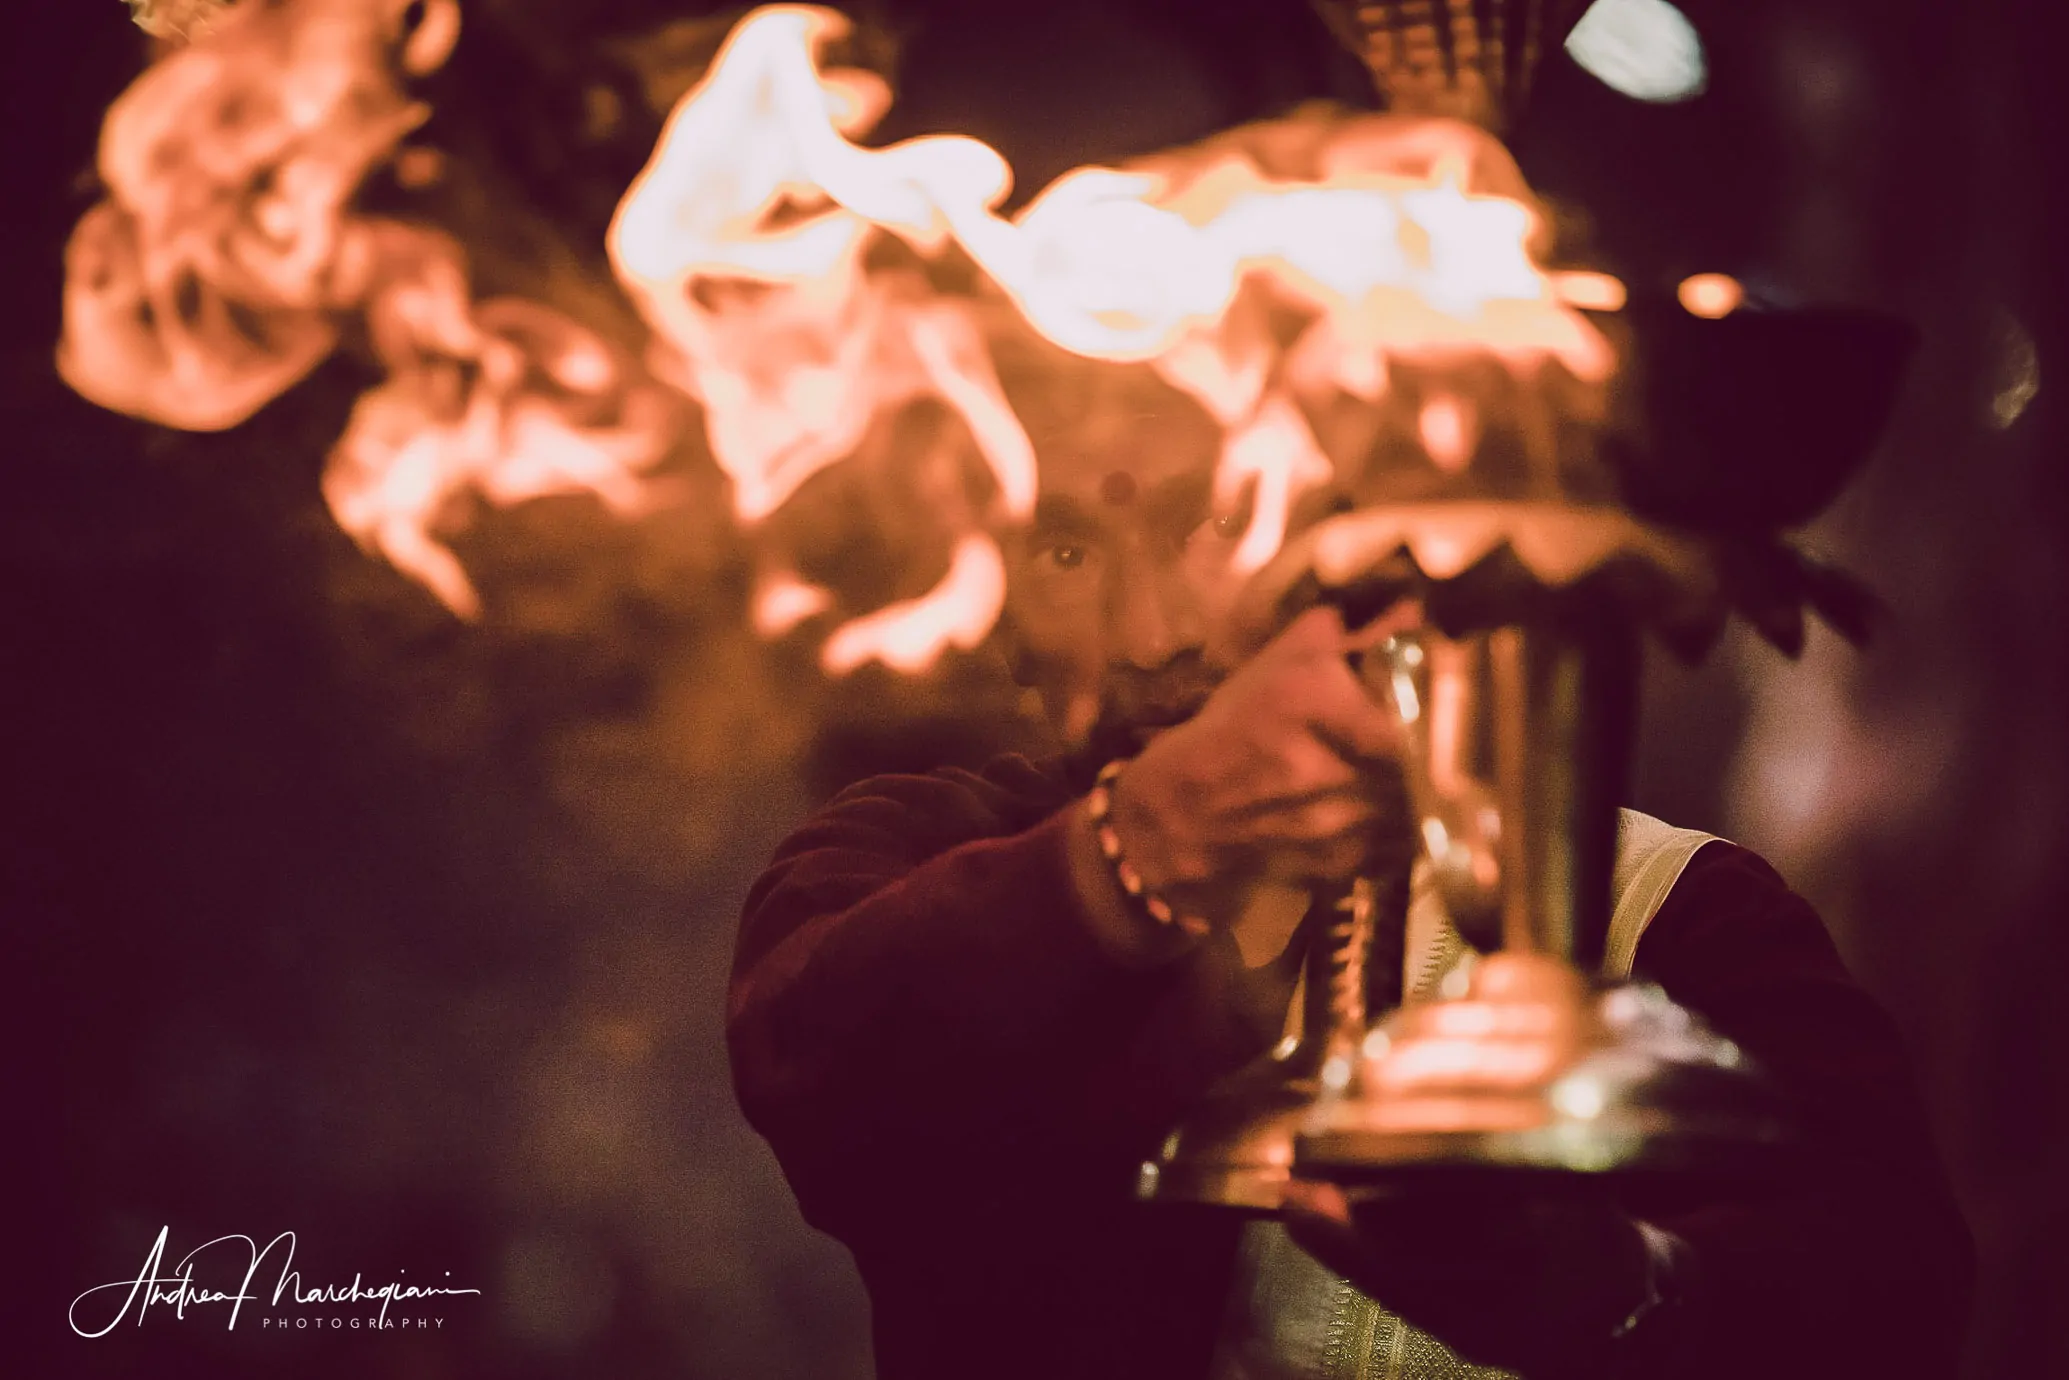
x=1236, y=1149
x=1533, y=1069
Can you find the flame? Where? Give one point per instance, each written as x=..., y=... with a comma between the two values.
x=742, y=243
x=908, y=636
x=205, y=284
x=782, y=601
x=746, y=242
x=506, y=398
x=227, y=256
x=791, y=281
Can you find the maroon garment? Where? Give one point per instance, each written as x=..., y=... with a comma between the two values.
x=960, y=1084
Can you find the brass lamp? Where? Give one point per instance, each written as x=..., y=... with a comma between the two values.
x=1523, y=1061
x=1236, y=1149
x=1662, y=514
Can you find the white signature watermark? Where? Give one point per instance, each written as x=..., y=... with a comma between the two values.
x=179, y=1291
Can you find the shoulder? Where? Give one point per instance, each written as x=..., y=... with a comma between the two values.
x=1724, y=915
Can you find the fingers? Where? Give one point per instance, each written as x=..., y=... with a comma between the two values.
x=1322, y=627
x=1288, y=771
x=1405, y=616
x=1361, y=735
x=1306, y=675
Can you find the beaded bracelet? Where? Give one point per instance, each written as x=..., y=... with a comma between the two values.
x=1099, y=809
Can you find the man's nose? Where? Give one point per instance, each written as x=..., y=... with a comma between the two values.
x=1155, y=615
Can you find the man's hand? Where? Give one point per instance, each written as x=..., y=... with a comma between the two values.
x=1288, y=774
x=1536, y=1281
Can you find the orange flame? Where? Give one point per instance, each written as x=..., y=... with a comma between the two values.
x=506, y=398
x=218, y=272
x=1263, y=273
x=744, y=243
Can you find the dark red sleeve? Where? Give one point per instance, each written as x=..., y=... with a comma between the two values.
x=919, y=1015
x=1863, y=1265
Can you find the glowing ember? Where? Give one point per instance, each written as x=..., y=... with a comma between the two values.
x=1711, y=295
x=790, y=281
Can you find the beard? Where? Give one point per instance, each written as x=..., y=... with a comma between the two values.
x=1136, y=705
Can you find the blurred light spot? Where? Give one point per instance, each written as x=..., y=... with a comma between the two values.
x=1578, y=1097
x=1336, y=1074
x=1377, y=1043
x=782, y=601
x=1588, y=290
x=418, y=167
x=1447, y=433
x=1711, y=295
x=2018, y=373
x=1435, y=838
x=1645, y=49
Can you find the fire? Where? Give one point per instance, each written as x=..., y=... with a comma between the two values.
x=791, y=282
x=506, y=398
x=746, y=238
x=227, y=257
x=743, y=241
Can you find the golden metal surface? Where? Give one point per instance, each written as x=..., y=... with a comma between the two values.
x=1236, y=1149
x=1525, y=1064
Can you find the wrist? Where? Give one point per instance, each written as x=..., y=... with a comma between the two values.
x=1154, y=817
x=1151, y=892
x=1122, y=929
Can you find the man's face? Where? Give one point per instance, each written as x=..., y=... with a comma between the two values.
x=1124, y=574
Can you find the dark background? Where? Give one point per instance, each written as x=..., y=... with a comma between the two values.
x=326, y=913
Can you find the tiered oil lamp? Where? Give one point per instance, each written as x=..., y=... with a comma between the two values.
x=1540, y=574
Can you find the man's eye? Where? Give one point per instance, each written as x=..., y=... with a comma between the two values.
x=1225, y=527
x=1064, y=555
